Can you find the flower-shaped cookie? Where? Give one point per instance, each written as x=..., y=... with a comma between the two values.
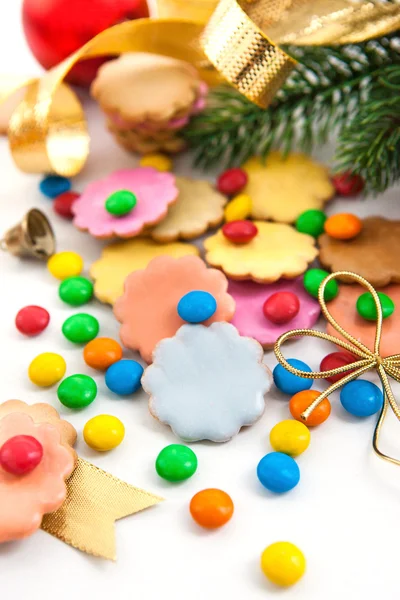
x=199, y=206
x=249, y=316
x=154, y=191
x=281, y=189
x=278, y=250
x=344, y=311
x=373, y=254
x=207, y=382
x=120, y=259
x=25, y=499
x=148, y=307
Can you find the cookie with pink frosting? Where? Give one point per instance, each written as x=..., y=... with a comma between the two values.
x=253, y=319
x=153, y=190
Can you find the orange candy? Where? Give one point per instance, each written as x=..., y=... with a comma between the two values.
x=102, y=352
x=302, y=400
x=343, y=226
x=211, y=508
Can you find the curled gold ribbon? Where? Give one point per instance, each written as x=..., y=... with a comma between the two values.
x=368, y=359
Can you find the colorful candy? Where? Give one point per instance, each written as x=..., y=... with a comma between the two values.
x=47, y=369
x=283, y=563
x=343, y=226
x=239, y=208
x=120, y=203
x=75, y=290
x=123, y=377
x=290, y=437
x=278, y=472
x=65, y=264
x=281, y=307
x=366, y=306
x=287, y=382
x=62, y=205
x=103, y=433
x=101, y=353
x=232, y=181
x=239, y=232
x=313, y=279
x=32, y=320
x=211, y=508
x=348, y=184
x=196, y=306
x=361, y=398
x=311, y=222
x=21, y=454
x=335, y=360
x=158, y=161
x=77, y=391
x=54, y=185
x=176, y=462
x=80, y=328
x=302, y=400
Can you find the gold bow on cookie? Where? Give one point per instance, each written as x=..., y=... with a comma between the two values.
x=369, y=359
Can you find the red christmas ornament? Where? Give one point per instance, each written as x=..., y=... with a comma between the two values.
x=347, y=184
x=232, y=181
x=32, y=320
x=281, y=307
x=21, y=454
x=54, y=29
x=335, y=360
x=239, y=232
x=63, y=204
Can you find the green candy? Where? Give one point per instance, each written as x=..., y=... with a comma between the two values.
x=311, y=222
x=313, y=279
x=77, y=391
x=176, y=463
x=366, y=306
x=120, y=203
x=75, y=290
x=80, y=328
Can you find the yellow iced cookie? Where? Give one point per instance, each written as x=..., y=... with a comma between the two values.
x=281, y=190
x=199, y=207
x=121, y=258
x=278, y=250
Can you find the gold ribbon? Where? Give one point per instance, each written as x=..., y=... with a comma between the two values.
x=95, y=500
x=48, y=131
x=369, y=359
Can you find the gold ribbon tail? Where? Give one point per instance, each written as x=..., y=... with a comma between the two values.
x=95, y=500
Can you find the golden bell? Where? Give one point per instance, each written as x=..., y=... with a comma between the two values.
x=33, y=236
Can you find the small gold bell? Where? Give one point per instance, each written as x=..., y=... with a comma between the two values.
x=33, y=236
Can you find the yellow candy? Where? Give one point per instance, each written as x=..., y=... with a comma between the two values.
x=239, y=208
x=46, y=369
x=290, y=437
x=283, y=563
x=104, y=432
x=65, y=264
x=161, y=162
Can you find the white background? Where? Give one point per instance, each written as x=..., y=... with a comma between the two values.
x=343, y=514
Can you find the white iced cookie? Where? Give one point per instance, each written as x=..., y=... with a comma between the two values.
x=207, y=382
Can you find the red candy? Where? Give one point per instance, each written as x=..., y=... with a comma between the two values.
x=335, y=360
x=281, y=307
x=63, y=204
x=32, y=320
x=347, y=184
x=239, y=232
x=21, y=454
x=232, y=181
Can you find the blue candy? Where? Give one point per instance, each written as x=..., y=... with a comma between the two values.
x=196, y=306
x=123, y=377
x=288, y=383
x=54, y=185
x=278, y=472
x=361, y=398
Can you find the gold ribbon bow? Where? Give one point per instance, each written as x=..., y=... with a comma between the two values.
x=369, y=359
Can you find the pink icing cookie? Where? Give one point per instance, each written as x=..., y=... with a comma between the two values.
x=249, y=318
x=148, y=307
x=344, y=311
x=155, y=192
